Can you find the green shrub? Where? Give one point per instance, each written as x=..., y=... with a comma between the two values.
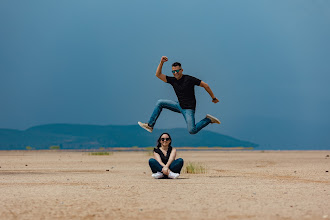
x=100, y=153
x=54, y=147
x=150, y=151
x=194, y=168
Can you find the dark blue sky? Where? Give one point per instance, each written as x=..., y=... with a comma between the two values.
x=94, y=62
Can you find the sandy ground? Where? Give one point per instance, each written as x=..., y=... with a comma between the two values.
x=237, y=185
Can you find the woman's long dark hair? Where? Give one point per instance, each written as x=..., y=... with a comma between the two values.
x=158, y=141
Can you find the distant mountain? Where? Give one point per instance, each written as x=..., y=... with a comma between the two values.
x=75, y=136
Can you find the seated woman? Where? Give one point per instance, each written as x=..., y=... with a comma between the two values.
x=164, y=165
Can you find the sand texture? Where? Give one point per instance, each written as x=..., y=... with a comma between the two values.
x=237, y=185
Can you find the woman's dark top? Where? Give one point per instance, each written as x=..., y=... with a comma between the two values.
x=162, y=156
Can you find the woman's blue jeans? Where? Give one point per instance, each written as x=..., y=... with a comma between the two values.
x=175, y=166
x=188, y=114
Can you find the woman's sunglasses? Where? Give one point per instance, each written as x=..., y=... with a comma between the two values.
x=165, y=139
x=173, y=71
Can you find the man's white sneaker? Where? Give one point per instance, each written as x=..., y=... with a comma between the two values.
x=157, y=175
x=213, y=119
x=173, y=175
x=145, y=126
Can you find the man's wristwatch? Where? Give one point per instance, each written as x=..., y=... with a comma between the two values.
x=214, y=98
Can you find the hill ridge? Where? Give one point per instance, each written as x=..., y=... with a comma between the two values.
x=85, y=136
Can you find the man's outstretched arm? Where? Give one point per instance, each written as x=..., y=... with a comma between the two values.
x=160, y=67
x=208, y=89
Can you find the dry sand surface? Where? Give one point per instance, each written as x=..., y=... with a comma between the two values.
x=237, y=185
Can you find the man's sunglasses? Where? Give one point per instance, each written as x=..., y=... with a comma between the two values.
x=165, y=139
x=173, y=71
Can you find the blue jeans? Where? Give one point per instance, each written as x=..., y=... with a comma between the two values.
x=188, y=114
x=175, y=166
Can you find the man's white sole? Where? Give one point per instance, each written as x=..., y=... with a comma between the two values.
x=213, y=119
x=142, y=126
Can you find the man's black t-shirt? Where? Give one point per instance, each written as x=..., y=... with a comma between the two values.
x=184, y=90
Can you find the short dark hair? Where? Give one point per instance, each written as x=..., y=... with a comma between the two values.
x=176, y=64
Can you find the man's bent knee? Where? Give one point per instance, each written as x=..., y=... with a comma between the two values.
x=160, y=102
x=192, y=131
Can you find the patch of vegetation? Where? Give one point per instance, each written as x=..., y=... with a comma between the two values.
x=100, y=153
x=54, y=147
x=150, y=151
x=194, y=168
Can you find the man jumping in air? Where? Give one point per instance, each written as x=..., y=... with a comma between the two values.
x=184, y=89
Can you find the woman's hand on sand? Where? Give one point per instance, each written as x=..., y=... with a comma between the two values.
x=163, y=59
